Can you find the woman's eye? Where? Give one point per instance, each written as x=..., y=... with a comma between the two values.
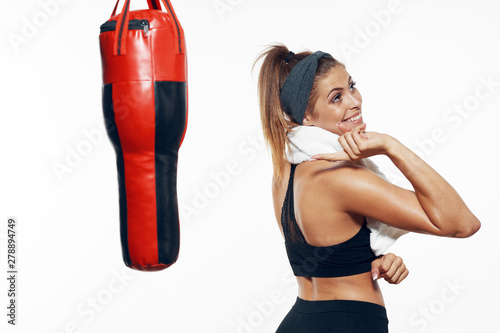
x=337, y=97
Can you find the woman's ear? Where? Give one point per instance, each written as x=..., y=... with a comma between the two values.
x=307, y=119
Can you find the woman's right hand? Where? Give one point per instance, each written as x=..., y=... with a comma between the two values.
x=390, y=267
x=358, y=144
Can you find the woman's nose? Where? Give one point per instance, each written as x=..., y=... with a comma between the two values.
x=354, y=101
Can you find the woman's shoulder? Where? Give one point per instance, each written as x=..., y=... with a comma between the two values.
x=331, y=177
x=325, y=171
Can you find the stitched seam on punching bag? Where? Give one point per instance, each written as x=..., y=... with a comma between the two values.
x=120, y=33
x=176, y=25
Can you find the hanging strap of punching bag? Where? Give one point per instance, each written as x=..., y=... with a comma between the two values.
x=155, y=4
x=152, y=4
x=120, y=41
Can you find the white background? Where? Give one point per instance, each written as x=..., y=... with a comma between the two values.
x=232, y=275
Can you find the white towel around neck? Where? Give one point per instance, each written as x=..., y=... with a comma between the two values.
x=307, y=141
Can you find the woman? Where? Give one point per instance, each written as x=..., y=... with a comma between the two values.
x=322, y=204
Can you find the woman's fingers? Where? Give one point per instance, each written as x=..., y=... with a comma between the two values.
x=353, y=146
x=392, y=268
x=375, y=269
x=338, y=156
x=347, y=148
x=353, y=141
x=400, y=275
x=343, y=127
x=394, y=273
x=403, y=275
x=360, y=138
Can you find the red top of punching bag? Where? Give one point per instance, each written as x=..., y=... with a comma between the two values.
x=143, y=45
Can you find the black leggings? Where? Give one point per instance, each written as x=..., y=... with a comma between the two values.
x=334, y=316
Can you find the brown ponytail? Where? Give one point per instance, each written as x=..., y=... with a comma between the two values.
x=272, y=75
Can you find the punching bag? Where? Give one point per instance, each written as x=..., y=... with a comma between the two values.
x=144, y=98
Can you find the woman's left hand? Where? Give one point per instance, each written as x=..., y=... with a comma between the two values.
x=390, y=267
x=358, y=144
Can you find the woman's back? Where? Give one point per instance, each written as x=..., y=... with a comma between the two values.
x=322, y=224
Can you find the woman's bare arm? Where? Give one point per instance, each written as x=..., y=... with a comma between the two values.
x=433, y=207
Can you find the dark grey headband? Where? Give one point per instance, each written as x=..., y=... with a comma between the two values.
x=295, y=92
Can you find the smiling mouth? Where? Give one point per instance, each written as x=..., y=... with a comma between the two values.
x=355, y=117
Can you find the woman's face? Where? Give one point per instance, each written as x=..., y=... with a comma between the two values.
x=338, y=105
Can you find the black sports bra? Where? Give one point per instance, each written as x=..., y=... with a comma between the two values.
x=351, y=257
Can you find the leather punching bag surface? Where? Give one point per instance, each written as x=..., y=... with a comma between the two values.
x=145, y=109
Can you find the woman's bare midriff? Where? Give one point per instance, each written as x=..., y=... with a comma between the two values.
x=358, y=287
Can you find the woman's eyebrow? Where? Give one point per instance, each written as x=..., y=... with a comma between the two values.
x=349, y=80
